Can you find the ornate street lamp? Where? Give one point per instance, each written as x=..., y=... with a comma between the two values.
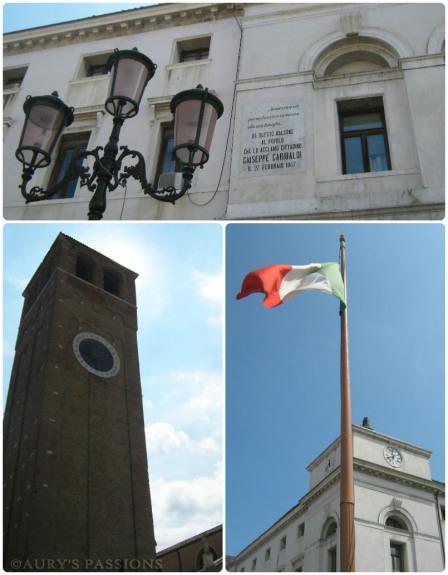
x=46, y=117
x=195, y=114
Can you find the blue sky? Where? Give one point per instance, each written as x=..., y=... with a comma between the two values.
x=282, y=364
x=19, y=16
x=179, y=296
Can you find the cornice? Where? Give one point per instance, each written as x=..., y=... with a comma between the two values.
x=308, y=76
x=327, y=483
x=125, y=23
x=292, y=514
x=72, y=242
x=291, y=213
x=304, y=11
x=396, y=476
x=358, y=429
x=423, y=61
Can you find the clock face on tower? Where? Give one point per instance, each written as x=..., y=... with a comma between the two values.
x=96, y=354
x=393, y=456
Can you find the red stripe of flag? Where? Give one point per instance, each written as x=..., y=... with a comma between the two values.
x=265, y=280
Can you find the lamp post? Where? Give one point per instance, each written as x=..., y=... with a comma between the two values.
x=195, y=114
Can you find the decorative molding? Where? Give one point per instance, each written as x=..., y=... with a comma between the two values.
x=354, y=46
x=397, y=476
x=125, y=23
x=371, y=175
x=92, y=114
x=384, y=75
x=182, y=65
x=398, y=46
x=396, y=503
x=274, y=81
x=427, y=61
x=300, y=12
x=402, y=513
x=351, y=23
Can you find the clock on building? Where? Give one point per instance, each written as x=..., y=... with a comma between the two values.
x=96, y=354
x=393, y=456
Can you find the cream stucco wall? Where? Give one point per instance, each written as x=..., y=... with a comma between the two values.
x=292, y=43
x=285, y=50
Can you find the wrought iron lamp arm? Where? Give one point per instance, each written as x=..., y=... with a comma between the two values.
x=138, y=172
x=37, y=193
x=111, y=171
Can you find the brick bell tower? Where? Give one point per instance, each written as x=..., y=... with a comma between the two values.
x=75, y=470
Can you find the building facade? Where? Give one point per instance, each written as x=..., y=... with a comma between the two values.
x=76, y=492
x=399, y=514
x=203, y=552
x=331, y=111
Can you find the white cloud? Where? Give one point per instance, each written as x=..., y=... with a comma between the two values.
x=209, y=444
x=206, y=403
x=162, y=436
x=184, y=439
x=185, y=508
x=192, y=402
x=211, y=286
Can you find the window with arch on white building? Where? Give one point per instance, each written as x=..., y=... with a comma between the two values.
x=329, y=546
x=355, y=70
x=399, y=533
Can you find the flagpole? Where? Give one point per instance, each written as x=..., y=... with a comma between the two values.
x=347, y=495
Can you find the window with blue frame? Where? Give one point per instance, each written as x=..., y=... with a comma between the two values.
x=166, y=163
x=363, y=133
x=68, y=159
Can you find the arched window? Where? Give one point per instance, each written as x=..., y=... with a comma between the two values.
x=329, y=546
x=112, y=282
x=350, y=62
x=355, y=55
x=84, y=268
x=396, y=523
x=356, y=61
x=399, y=529
x=330, y=530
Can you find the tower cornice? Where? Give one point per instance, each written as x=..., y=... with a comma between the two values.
x=358, y=429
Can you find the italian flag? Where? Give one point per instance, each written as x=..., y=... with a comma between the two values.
x=281, y=282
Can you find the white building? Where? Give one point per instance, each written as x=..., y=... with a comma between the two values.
x=399, y=514
x=331, y=111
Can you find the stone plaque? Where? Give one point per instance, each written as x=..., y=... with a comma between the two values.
x=272, y=140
